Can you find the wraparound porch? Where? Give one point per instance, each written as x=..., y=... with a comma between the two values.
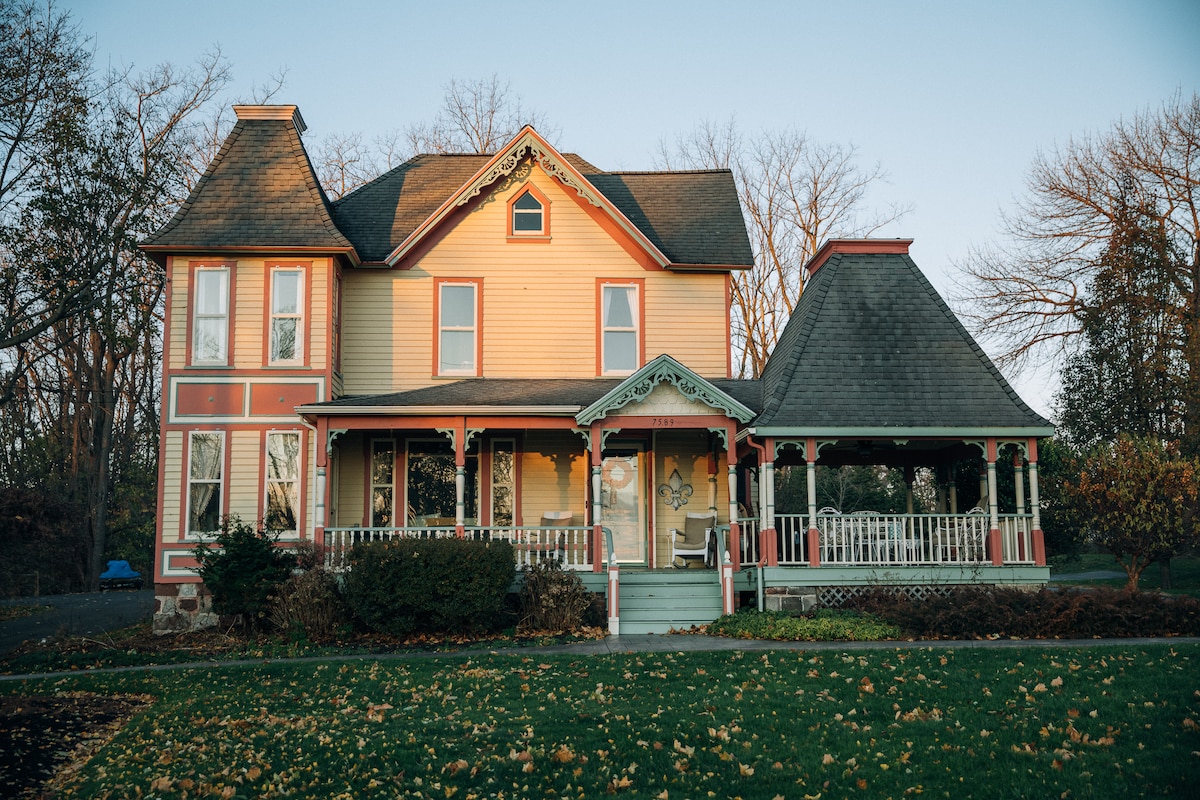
x=841, y=540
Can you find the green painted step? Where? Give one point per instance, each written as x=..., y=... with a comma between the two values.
x=656, y=602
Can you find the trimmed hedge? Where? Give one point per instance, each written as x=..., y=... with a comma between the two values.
x=430, y=585
x=823, y=624
x=1006, y=612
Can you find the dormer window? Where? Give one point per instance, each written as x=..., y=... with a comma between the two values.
x=529, y=215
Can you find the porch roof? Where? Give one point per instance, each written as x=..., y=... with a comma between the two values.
x=872, y=347
x=501, y=396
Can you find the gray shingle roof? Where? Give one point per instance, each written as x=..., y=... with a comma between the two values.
x=692, y=217
x=515, y=392
x=872, y=344
x=259, y=192
x=380, y=215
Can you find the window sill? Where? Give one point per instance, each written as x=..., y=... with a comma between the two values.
x=539, y=238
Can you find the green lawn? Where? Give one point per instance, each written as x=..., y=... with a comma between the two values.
x=991, y=723
x=1185, y=572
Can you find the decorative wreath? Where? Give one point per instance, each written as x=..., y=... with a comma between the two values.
x=617, y=474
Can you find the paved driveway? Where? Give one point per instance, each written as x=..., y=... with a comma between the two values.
x=76, y=615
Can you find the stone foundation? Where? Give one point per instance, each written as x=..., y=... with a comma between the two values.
x=795, y=599
x=180, y=607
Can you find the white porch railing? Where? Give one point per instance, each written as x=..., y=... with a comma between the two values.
x=868, y=539
x=531, y=543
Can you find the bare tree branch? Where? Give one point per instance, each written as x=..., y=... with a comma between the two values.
x=795, y=194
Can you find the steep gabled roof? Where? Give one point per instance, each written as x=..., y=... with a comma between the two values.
x=871, y=346
x=692, y=217
x=258, y=193
x=680, y=218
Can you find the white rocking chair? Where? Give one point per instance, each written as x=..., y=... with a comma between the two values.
x=696, y=537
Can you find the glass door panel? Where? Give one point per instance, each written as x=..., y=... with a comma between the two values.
x=624, y=502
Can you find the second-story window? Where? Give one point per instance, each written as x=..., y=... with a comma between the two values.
x=210, y=318
x=458, y=329
x=287, y=318
x=528, y=217
x=619, y=329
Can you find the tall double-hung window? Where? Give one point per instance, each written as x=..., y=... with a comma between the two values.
x=458, y=328
x=210, y=317
x=620, y=335
x=283, y=481
x=287, y=317
x=205, y=486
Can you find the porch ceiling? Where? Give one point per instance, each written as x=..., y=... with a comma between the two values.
x=887, y=452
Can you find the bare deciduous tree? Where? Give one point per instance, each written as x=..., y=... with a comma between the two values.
x=795, y=194
x=1028, y=293
x=343, y=163
x=87, y=371
x=477, y=116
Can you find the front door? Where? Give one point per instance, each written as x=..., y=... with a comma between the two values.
x=624, y=500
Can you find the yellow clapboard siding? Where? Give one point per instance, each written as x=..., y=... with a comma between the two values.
x=177, y=325
x=318, y=309
x=539, y=302
x=245, y=464
x=248, y=319
x=554, y=475
x=685, y=451
x=173, y=478
x=352, y=476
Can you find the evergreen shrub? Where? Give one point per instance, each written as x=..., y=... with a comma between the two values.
x=430, y=585
x=244, y=570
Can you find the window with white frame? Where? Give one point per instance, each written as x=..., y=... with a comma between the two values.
x=503, y=481
x=528, y=217
x=383, y=483
x=619, y=329
x=282, y=481
x=210, y=317
x=287, y=316
x=457, y=328
x=206, y=462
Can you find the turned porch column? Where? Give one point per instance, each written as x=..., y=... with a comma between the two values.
x=994, y=542
x=814, y=535
x=1039, y=539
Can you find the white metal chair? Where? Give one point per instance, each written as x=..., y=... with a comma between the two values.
x=557, y=537
x=696, y=537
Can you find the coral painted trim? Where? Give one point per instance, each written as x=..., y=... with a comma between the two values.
x=857, y=247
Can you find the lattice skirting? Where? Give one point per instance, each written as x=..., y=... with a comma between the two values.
x=838, y=596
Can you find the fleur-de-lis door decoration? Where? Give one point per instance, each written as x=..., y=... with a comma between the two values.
x=675, y=491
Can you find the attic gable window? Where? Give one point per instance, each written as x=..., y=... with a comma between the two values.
x=529, y=216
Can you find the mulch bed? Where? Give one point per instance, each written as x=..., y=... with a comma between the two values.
x=45, y=739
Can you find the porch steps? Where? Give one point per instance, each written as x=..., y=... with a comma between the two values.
x=657, y=601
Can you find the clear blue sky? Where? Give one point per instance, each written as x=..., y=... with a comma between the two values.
x=951, y=97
